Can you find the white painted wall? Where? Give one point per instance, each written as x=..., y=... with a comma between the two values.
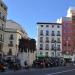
x=28, y=57
x=17, y=31
x=44, y=28
x=7, y=41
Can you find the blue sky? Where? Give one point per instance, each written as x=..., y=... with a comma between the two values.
x=29, y=12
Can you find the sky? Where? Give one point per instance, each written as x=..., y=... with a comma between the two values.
x=28, y=12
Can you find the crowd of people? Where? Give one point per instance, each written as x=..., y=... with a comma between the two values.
x=48, y=62
x=9, y=65
x=45, y=62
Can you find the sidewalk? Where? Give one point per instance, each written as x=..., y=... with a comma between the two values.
x=32, y=69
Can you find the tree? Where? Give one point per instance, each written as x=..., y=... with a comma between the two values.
x=32, y=45
x=27, y=44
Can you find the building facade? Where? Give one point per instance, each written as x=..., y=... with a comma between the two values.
x=13, y=32
x=3, y=16
x=67, y=37
x=71, y=14
x=68, y=34
x=49, y=42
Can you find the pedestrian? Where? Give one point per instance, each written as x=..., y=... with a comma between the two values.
x=14, y=67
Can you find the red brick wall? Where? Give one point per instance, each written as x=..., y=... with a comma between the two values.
x=67, y=37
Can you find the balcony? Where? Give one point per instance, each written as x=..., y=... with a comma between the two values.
x=1, y=28
x=58, y=35
x=41, y=48
x=47, y=48
x=47, y=34
x=58, y=41
x=10, y=45
x=47, y=41
x=41, y=41
x=52, y=41
x=3, y=18
x=58, y=49
x=1, y=39
x=52, y=48
x=11, y=38
x=52, y=34
x=41, y=34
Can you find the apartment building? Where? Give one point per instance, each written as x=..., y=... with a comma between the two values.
x=67, y=37
x=71, y=15
x=13, y=32
x=3, y=16
x=49, y=42
x=68, y=34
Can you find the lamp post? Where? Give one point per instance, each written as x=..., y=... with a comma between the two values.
x=67, y=48
x=67, y=45
x=55, y=48
x=28, y=56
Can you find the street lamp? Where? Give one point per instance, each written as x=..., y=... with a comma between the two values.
x=55, y=47
x=67, y=49
x=67, y=45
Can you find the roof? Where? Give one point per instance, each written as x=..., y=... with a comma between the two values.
x=48, y=23
x=14, y=25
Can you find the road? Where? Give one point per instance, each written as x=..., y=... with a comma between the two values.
x=70, y=70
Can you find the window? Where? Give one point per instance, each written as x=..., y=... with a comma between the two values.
x=58, y=40
x=41, y=39
x=58, y=26
x=4, y=19
x=73, y=18
x=47, y=25
x=58, y=54
x=41, y=53
x=10, y=44
x=52, y=54
x=47, y=39
x=10, y=52
x=11, y=37
x=58, y=47
x=0, y=14
x=46, y=54
x=52, y=26
x=47, y=32
x=41, y=25
x=52, y=40
x=47, y=47
x=41, y=32
x=5, y=8
x=1, y=5
x=52, y=47
x=0, y=48
x=58, y=33
x=69, y=45
x=53, y=33
x=3, y=27
x=0, y=37
x=41, y=46
x=64, y=44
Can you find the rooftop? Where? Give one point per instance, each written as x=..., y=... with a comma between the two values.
x=48, y=23
x=14, y=25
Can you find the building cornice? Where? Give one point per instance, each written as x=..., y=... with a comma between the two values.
x=48, y=23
